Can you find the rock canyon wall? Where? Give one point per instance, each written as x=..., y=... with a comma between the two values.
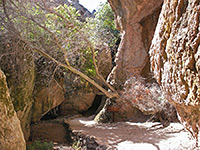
x=136, y=20
x=175, y=58
x=132, y=53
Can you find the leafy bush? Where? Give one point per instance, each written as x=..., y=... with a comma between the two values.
x=38, y=145
x=55, y=32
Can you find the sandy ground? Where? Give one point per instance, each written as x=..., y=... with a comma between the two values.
x=136, y=136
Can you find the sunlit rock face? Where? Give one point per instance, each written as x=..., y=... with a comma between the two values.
x=136, y=20
x=175, y=58
x=132, y=53
x=11, y=136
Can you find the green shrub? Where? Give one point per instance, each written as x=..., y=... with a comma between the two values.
x=38, y=145
x=102, y=27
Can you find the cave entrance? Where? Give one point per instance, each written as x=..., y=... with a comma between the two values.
x=94, y=109
x=95, y=106
x=52, y=114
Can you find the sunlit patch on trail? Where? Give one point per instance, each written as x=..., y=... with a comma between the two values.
x=87, y=122
x=128, y=145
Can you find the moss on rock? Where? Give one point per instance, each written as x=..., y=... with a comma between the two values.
x=18, y=64
x=11, y=136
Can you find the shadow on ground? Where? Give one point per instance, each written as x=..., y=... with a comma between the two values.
x=129, y=135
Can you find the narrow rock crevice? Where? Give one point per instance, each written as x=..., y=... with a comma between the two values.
x=95, y=105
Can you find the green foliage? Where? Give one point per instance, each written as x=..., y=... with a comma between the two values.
x=61, y=26
x=102, y=27
x=70, y=31
x=38, y=145
x=69, y=21
x=76, y=145
x=59, y=29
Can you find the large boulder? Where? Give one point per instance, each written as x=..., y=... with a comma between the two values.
x=47, y=98
x=11, y=136
x=18, y=65
x=79, y=95
x=49, y=87
x=175, y=59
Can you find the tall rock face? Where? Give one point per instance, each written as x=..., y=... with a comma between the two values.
x=175, y=58
x=11, y=136
x=136, y=20
x=132, y=54
x=16, y=61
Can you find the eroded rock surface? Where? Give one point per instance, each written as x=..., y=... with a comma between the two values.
x=49, y=88
x=11, y=136
x=175, y=57
x=79, y=94
x=47, y=98
x=104, y=60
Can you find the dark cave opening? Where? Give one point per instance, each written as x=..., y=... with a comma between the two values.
x=55, y=112
x=52, y=114
x=95, y=105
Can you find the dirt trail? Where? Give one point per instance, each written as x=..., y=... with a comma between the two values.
x=136, y=136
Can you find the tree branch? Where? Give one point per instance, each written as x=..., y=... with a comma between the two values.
x=108, y=94
x=90, y=46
